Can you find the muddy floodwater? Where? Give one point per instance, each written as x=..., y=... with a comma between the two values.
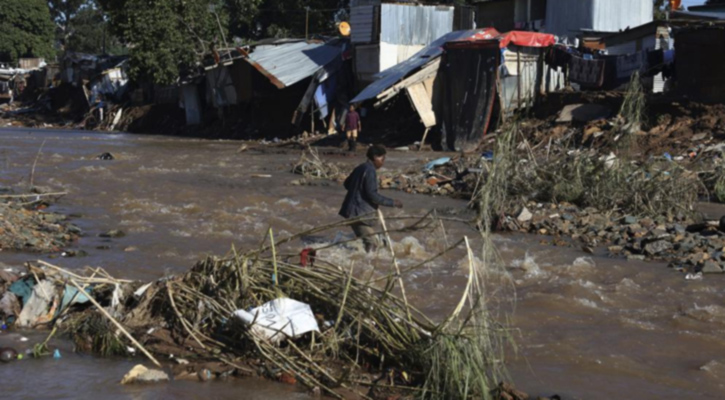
x=587, y=326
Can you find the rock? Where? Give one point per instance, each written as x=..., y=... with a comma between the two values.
x=113, y=233
x=583, y=113
x=657, y=247
x=697, y=258
x=721, y=225
x=686, y=246
x=7, y=354
x=141, y=374
x=524, y=215
x=699, y=136
x=679, y=229
x=711, y=267
x=615, y=249
x=204, y=375
x=636, y=257
x=567, y=217
x=630, y=220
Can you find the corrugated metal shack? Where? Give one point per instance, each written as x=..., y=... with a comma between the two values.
x=272, y=85
x=636, y=43
x=457, y=92
x=700, y=63
x=568, y=18
x=386, y=34
x=507, y=15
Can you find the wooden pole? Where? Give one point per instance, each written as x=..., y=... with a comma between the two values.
x=395, y=263
x=307, y=23
x=425, y=135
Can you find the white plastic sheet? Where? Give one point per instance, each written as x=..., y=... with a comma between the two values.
x=280, y=318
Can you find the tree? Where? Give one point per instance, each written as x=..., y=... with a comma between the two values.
x=290, y=18
x=81, y=26
x=63, y=12
x=167, y=37
x=26, y=30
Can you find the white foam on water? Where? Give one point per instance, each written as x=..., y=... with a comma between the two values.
x=587, y=303
x=288, y=201
x=587, y=284
x=179, y=233
x=410, y=247
x=94, y=169
x=529, y=266
x=627, y=284
x=584, y=263
x=647, y=326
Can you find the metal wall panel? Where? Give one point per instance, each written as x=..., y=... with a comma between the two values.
x=394, y=54
x=367, y=62
x=414, y=25
x=699, y=63
x=362, y=24
x=568, y=17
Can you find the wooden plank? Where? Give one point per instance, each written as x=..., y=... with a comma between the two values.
x=421, y=100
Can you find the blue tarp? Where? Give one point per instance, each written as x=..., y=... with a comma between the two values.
x=325, y=95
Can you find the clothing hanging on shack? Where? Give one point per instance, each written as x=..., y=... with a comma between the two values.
x=589, y=73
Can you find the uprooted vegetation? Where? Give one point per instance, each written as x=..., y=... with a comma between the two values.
x=371, y=340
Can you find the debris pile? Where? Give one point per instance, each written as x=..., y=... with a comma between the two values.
x=260, y=313
x=25, y=226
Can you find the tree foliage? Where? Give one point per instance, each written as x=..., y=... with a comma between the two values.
x=166, y=37
x=81, y=26
x=26, y=29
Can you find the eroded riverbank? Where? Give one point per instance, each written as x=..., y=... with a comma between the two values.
x=590, y=327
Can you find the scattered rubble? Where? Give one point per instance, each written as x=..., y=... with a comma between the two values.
x=26, y=226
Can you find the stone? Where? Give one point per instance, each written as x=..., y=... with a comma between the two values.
x=657, y=247
x=658, y=233
x=686, y=246
x=711, y=267
x=567, y=217
x=616, y=249
x=113, y=233
x=699, y=136
x=636, y=257
x=697, y=258
x=630, y=220
x=524, y=215
x=141, y=374
x=583, y=113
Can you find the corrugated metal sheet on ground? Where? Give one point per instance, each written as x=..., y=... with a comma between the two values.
x=363, y=24
x=414, y=25
x=393, y=75
x=568, y=17
x=288, y=64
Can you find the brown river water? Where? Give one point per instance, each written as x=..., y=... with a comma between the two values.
x=588, y=326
